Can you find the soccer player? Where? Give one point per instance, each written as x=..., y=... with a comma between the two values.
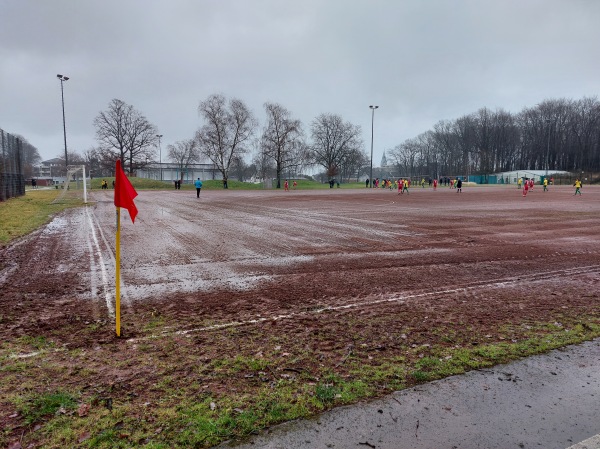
x=198, y=185
x=577, y=186
x=545, y=184
x=406, y=184
x=525, y=188
x=286, y=186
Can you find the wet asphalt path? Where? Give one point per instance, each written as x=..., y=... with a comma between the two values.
x=550, y=401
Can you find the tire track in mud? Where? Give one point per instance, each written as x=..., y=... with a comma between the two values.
x=435, y=294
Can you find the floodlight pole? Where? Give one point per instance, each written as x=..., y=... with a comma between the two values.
x=372, y=121
x=548, y=149
x=62, y=95
x=159, y=155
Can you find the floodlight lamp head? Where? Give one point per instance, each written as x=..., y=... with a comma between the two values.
x=65, y=78
x=59, y=76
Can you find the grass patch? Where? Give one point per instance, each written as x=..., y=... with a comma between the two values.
x=36, y=408
x=188, y=413
x=39, y=342
x=22, y=215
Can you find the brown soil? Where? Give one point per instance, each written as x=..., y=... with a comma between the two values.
x=303, y=277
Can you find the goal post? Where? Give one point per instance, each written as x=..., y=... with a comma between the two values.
x=74, y=185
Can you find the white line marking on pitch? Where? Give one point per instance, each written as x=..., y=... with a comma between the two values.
x=124, y=295
x=107, y=295
x=590, y=443
x=400, y=299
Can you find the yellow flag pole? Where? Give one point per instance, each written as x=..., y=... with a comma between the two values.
x=118, y=276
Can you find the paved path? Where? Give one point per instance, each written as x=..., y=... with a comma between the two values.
x=550, y=401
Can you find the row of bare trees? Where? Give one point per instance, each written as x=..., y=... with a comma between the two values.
x=229, y=132
x=555, y=135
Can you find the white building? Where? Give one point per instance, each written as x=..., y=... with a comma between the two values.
x=511, y=177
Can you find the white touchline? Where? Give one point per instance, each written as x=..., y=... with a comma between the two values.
x=400, y=299
x=112, y=257
x=93, y=270
x=107, y=296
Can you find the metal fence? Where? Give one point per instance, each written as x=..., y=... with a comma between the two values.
x=12, y=180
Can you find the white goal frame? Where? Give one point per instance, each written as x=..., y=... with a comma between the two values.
x=73, y=170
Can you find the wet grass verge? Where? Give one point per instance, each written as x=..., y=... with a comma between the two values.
x=197, y=391
x=22, y=215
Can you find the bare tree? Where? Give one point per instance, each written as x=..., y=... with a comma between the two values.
x=184, y=153
x=405, y=157
x=91, y=157
x=264, y=166
x=333, y=141
x=127, y=131
x=226, y=133
x=282, y=139
x=30, y=157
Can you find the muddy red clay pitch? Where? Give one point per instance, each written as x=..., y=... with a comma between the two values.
x=308, y=264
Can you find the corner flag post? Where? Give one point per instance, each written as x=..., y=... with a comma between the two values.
x=124, y=195
x=118, y=275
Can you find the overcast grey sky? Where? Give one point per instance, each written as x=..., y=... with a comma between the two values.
x=421, y=61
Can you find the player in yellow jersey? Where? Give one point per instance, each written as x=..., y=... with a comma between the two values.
x=577, y=187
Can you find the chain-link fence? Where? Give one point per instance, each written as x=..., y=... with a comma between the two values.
x=12, y=180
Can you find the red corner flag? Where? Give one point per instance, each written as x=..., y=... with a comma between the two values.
x=124, y=192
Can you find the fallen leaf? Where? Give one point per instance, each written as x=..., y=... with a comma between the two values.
x=84, y=436
x=83, y=410
x=213, y=406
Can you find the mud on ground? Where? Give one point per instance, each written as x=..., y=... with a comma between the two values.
x=237, y=291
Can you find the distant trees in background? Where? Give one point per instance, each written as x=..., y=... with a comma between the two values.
x=283, y=141
x=336, y=146
x=184, y=153
x=30, y=157
x=555, y=134
x=124, y=133
x=17, y=155
x=226, y=133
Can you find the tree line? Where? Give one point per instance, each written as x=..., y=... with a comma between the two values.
x=555, y=135
x=229, y=132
